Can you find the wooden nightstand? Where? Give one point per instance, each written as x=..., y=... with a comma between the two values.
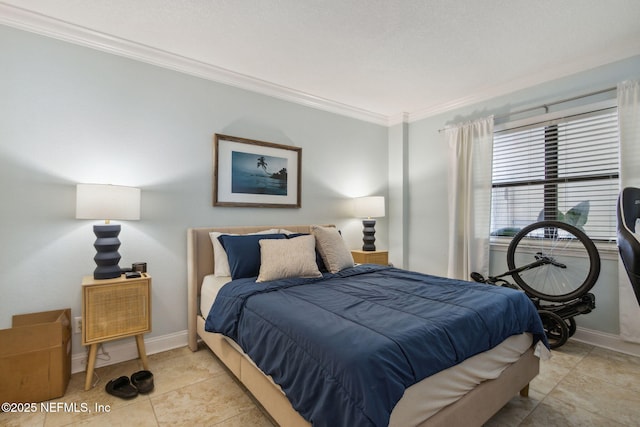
x=112, y=309
x=370, y=257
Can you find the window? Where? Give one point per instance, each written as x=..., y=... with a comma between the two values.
x=563, y=168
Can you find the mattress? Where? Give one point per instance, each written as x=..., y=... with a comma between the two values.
x=427, y=397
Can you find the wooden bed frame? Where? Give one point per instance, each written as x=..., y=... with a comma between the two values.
x=476, y=407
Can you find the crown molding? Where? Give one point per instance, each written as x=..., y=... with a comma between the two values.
x=614, y=54
x=397, y=119
x=40, y=24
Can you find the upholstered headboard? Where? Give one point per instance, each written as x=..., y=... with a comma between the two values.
x=200, y=261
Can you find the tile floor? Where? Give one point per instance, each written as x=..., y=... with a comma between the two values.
x=581, y=385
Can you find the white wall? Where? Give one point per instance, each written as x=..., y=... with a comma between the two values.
x=75, y=115
x=427, y=170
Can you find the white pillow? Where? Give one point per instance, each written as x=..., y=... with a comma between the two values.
x=284, y=258
x=220, y=259
x=333, y=249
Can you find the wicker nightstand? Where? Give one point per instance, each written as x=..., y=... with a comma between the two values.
x=112, y=309
x=370, y=257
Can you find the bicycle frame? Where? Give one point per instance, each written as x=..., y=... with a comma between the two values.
x=565, y=311
x=541, y=259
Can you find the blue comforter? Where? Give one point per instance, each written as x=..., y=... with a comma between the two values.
x=345, y=347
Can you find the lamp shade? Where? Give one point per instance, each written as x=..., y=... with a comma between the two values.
x=369, y=207
x=107, y=202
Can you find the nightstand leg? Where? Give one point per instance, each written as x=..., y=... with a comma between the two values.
x=142, y=352
x=91, y=364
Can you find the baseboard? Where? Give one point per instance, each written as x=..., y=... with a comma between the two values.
x=125, y=349
x=605, y=340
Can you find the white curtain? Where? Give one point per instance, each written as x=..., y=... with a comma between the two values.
x=629, y=124
x=469, y=184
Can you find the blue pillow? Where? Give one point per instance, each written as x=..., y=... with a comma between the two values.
x=244, y=253
x=319, y=260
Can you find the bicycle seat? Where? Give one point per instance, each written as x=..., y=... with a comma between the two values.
x=628, y=237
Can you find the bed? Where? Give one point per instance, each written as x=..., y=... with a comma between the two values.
x=468, y=393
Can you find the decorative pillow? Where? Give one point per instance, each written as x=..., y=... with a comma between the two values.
x=334, y=251
x=319, y=261
x=220, y=259
x=244, y=253
x=281, y=259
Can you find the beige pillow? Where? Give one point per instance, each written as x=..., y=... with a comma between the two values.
x=333, y=250
x=285, y=258
x=220, y=259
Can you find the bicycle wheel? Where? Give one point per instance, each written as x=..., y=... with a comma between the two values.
x=556, y=330
x=553, y=261
x=571, y=325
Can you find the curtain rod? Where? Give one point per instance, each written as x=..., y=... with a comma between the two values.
x=546, y=106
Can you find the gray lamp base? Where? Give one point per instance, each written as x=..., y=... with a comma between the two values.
x=107, y=256
x=369, y=232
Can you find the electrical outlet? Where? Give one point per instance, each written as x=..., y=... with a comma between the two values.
x=77, y=325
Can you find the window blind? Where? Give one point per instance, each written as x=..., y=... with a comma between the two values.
x=563, y=169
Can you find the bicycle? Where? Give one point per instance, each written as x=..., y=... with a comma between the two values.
x=557, y=263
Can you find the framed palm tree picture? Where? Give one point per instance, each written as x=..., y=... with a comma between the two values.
x=254, y=173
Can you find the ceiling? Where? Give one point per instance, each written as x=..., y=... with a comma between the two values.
x=375, y=59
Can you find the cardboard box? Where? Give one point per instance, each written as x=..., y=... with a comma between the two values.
x=35, y=357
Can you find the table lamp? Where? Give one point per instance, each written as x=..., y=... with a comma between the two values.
x=107, y=202
x=369, y=207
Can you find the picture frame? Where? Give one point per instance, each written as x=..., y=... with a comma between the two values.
x=251, y=173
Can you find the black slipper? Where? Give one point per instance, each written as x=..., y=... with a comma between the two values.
x=122, y=388
x=143, y=381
